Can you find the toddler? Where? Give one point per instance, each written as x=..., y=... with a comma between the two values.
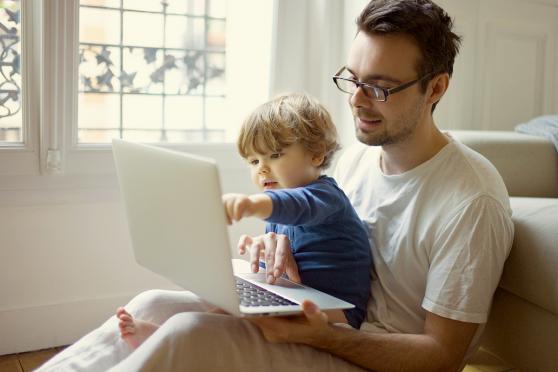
x=287, y=142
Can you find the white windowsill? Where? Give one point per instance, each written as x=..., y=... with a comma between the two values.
x=86, y=181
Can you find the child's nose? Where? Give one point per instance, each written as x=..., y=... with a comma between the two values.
x=263, y=168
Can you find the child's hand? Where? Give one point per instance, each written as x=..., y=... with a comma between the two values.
x=237, y=206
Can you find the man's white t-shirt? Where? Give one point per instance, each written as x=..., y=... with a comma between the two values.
x=440, y=234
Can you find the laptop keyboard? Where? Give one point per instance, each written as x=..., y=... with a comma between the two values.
x=252, y=295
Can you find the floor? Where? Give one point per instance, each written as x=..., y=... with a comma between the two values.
x=25, y=362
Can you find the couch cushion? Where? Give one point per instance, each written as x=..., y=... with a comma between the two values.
x=528, y=164
x=531, y=270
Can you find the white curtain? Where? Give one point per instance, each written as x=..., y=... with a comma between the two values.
x=308, y=47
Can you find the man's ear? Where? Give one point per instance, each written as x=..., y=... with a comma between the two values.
x=437, y=87
x=318, y=160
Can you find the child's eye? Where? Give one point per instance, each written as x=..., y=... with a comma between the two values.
x=253, y=162
x=276, y=155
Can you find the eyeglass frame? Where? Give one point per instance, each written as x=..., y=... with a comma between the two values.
x=386, y=91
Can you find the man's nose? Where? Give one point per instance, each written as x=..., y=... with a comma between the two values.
x=359, y=98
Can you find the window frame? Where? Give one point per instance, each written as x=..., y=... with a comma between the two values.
x=23, y=158
x=79, y=158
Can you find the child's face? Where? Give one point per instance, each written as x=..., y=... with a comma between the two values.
x=292, y=167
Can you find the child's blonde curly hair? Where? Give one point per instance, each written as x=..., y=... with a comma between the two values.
x=286, y=120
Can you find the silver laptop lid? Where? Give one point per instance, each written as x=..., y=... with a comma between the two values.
x=176, y=219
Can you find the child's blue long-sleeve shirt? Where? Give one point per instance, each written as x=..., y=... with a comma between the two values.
x=328, y=240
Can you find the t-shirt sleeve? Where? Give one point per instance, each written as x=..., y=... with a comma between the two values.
x=466, y=261
x=309, y=205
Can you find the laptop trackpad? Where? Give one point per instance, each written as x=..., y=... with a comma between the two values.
x=259, y=279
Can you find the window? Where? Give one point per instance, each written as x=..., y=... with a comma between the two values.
x=152, y=71
x=179, y=73
x=11, y=121
x=19, y=87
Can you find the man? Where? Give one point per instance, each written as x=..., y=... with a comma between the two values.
x=439, y=221
x=438, y=213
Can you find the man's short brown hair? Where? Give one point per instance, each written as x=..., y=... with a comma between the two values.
x=428, y=24
x=286, y=120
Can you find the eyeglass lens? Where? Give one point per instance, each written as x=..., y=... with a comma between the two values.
x=350, y=86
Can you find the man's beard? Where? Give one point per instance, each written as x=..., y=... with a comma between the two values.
x=400, y=129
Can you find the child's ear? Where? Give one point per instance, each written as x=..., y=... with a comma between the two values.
x=318, y=160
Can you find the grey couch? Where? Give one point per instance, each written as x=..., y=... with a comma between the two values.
x=522, y=331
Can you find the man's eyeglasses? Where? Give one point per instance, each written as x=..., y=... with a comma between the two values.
x=375, y=92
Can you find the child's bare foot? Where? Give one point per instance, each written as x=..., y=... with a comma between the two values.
x=134, y=331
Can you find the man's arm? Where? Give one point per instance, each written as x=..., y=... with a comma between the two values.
x=441, y=346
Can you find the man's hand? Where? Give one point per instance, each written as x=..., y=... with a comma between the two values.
x=275, y=249
x=300, y=329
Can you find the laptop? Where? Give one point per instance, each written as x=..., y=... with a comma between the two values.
x=178, y=230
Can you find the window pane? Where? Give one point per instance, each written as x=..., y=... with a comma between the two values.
x=86, y=135
x=97, y=69
x=215, y=74
x=217, y=8
x=216, y=112
x=146, y=5
x=103, y=3
x=188, y=74
x=196, y=135
x=142, y=111
x=143, y=135
x=143, y=70
x=185, y=32
x=184, y=112
x=11, y=123
x=191, y=7
x=101, y=26
x=99, y=111
x=151, y=76
x=216, y=35
x=143, y=29
x=99, y=117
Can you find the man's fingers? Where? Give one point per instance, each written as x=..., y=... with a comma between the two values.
x=313, y=313
x=285, y=261
x=270, y=240
x=275, y=250
x=280, y=261
x=292, y=272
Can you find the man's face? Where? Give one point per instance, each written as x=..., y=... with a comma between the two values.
x=386, y=61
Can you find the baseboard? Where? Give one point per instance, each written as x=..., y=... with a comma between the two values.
x=46, y=326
